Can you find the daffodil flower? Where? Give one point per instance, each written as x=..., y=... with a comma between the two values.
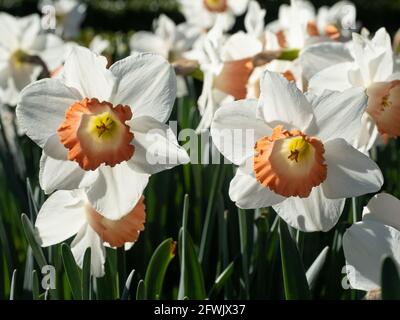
x=368, y=64
x=103, y=129
x=68, y=213
x=168, y=40
x=227, y=66
x=203, y=13
x=20, y=40
x=294, y=152
x=367, y=242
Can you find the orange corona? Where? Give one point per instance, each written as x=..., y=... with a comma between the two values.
x=384, y=106
x=118, y=232
x=289, y=162
x=95, y=133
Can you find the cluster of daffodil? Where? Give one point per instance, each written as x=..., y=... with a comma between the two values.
x=315, y=93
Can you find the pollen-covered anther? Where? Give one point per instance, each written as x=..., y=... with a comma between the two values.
x=384, y=106
x=96, y=133
x=216, y=5
x=118, y=232
x=289, y=162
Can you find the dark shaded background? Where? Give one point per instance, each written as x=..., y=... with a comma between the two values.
x=120, y=15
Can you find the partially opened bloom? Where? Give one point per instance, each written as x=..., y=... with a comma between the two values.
x=294, y=152
x=101, y=129
x=203, y=13
x=69, y=213
x=368, y=64
x=21, y=39
x=367, y=242
x=227, y=66
x=168, y=40
x=69, y=16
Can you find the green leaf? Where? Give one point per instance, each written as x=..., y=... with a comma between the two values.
x=192, y=285
x=13, y=285
x=216, y=185
x=390, y=280
x=141, y=291
x=294, y=276
x=86, y=279
x=157, y=268
x=243, y=228
x=315, y=269
x=30, y=235
x=183, y=248
x=72, y=271
x=221, y=280
x=35, y=286
x=121, y=267
x=125, y=294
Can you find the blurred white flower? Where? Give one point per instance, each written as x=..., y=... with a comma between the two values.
x=21, y=39
x=254, y=20
x=294, y=152
x=367, y=64
x=98, y=44
x=168, y=40
x=69, y=15
x=299, y=25
x=103, y=129
x=203, y=13
x=366, y=243
x=68, y=213
x=227, y=65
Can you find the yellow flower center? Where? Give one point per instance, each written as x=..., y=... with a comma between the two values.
x=216, y=5
x=103, y=126
x=386, y=102
x=298, y=149
x=18, y=58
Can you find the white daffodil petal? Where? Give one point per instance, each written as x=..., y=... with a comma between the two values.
x=334, y=78
x=322, y=55
x=88, y=238
x=156, y=147
x=238, y=6
x=116, y=190
x=338, y=114
x=60, y=217
x=144, y=41
x=42, y=106
x=55, y=149
x=240, y=46
x=248, y=193
x=86, y=71
x=63, y=175
x=235, y=129
x=147, y=83
x=350, y=172
x=9, y=31
x=383, y=208
x=365, y=244
x=281, y=102
x=30, y=27
x=315, y=213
